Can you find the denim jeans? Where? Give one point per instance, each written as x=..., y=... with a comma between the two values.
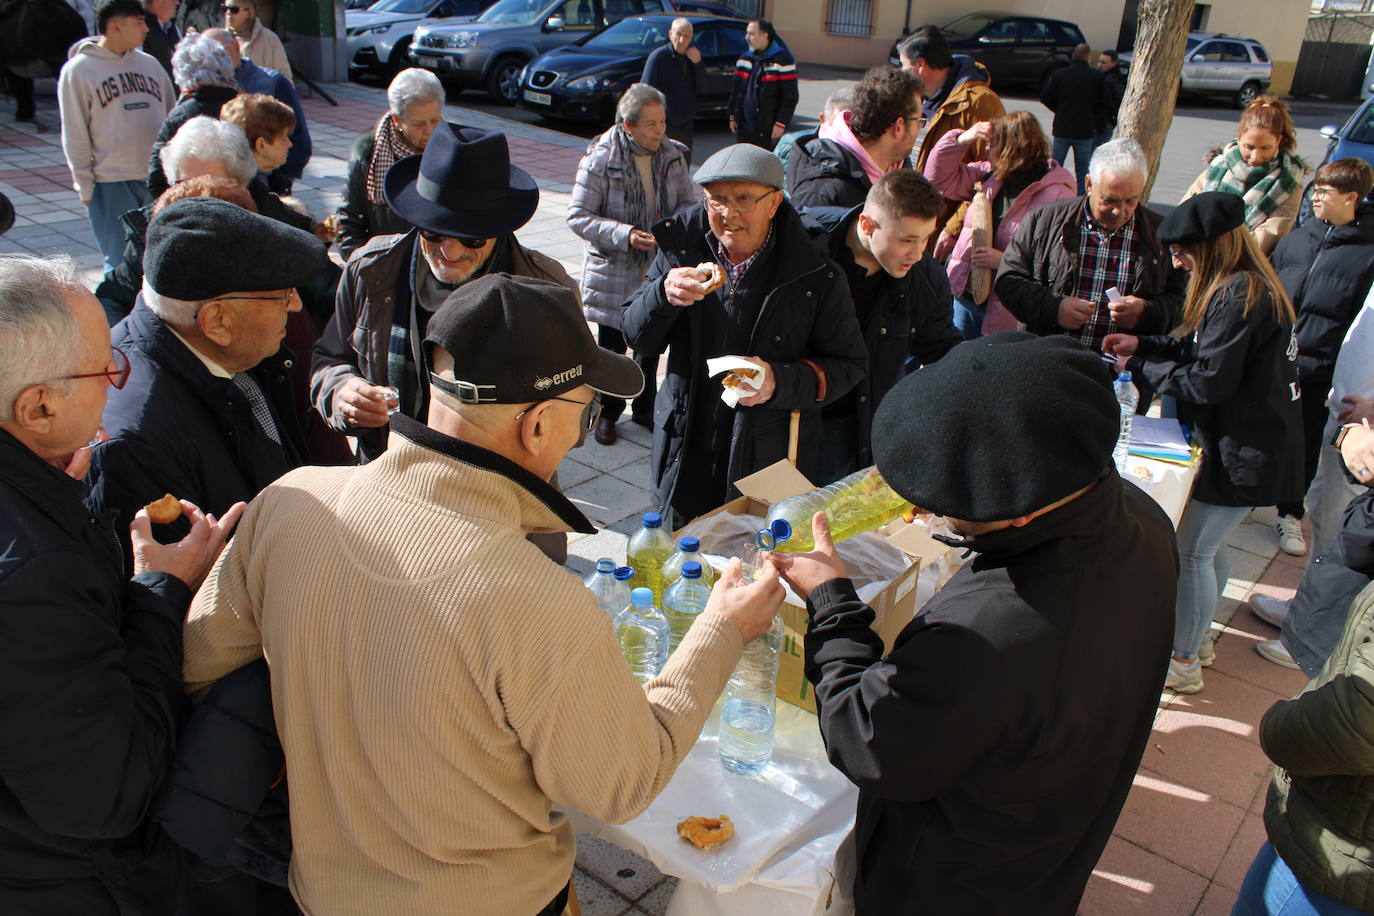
x=1271, y=889
x=1202, y=570
x=109, y=201
x=968, y=317
x=1330, y=491
x=1082, y=152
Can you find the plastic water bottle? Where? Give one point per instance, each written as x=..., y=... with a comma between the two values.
x=685, y=599
x=612, y=593
x=854, y=504
x=1128, y=398
x=648, y=550
x=746, y=720
x=643, y=633
x=688, y=549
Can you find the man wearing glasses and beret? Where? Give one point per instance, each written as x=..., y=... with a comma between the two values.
x=90, y=659
x=208, y=414
x=782, y=306
x=466, y=200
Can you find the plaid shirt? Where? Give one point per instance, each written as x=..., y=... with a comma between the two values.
x=1105, y=259
x=735, y=272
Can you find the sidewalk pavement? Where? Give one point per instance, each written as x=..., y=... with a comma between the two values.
x=1192, y=823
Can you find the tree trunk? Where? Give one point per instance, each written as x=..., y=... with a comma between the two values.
x=1152, y=88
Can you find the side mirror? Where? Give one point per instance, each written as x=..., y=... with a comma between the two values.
x=554, y=24
x=1329, y=131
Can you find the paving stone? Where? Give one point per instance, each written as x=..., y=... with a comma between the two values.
x=595, y=898
x=609, y=457
x=1186, y=826
x=627, y=874
x=1129, y=879
x=608, y=499
x=655, y=903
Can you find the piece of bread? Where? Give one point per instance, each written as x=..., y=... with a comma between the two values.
x=705, y=832
x=164, y=511
x=715, y=276
x=735, y=377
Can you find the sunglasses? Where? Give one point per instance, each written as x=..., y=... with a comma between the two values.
x=232, y=10
x=435, y=238
x=591, y=410
x=117, y=377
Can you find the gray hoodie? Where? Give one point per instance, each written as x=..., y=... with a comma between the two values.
x=112, y=108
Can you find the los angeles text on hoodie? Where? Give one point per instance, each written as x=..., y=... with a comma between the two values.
x=112, y=108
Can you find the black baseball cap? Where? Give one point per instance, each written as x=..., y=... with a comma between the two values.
x=519, y=339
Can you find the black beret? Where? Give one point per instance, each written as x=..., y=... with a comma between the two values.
x=203, y=247
x=1000, y=427
x=1203, y=216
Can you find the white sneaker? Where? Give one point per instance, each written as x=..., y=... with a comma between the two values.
x=1184, y=677
x=1270, y=610
x=1207, y=652
x=1274, y=651
x=1289, y=530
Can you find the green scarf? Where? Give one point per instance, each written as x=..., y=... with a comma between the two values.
x=1263, y=187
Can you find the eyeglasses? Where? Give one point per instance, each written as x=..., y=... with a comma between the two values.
x=591, y=410
x=117, y=377
x=919, y=119
x=232, y=10
x=286, y=298
x=740, y=204
x=435, y=238
x=1324, y=191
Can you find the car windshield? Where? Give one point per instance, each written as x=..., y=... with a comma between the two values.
x=631, y=36
x=515, y=12
x=966, y=26
x=1192, y=43
x=1362, y=126
x=416, y=7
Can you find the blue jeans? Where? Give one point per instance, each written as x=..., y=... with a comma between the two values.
x=1082, y=152
x=968, y=317
x=1202, y=570
x=109, y=201
x=1102, y=136
x=1271, y=889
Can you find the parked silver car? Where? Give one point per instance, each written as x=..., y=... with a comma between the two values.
x=1218, y=64
x=489, y=52
x=379, y=36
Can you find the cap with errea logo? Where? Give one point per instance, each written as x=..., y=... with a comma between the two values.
x=519, y=339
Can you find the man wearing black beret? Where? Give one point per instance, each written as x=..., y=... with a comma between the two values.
x=994, y=747
x=207, y=414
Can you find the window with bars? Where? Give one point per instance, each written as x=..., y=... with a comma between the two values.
x=750, y=8
x=853, y=18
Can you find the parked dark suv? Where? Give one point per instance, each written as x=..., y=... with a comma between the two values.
x=1015, y=49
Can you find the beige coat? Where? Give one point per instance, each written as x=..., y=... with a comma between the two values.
x=264, y=48
x=438, y=683
x=1279, y=223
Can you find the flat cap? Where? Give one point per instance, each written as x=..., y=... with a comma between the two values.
x=742, y=162
x=1202, y=216
x=998, y=428
x=203, y=247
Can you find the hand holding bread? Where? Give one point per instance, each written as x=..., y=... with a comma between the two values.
x=685, y=285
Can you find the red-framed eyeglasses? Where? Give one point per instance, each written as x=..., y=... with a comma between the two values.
x=117, y=377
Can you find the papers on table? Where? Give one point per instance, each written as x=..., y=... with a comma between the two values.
x=1161, y=438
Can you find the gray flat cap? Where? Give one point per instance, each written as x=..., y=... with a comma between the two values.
x=742, y=162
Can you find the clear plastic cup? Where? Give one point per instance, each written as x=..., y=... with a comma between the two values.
x=393, y=400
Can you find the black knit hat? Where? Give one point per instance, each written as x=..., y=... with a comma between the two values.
x=1000, y=427
x=520, y=339
x=1202, y=216
x=203, y=247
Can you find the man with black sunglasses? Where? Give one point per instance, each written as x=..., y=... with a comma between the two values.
x=466, y=200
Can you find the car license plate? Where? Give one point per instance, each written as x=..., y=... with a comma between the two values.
x=430, y=62
x=538, y=98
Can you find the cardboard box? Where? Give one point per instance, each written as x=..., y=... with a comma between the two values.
x=894, y=606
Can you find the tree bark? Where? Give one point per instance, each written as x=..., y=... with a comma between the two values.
x=1152, y=87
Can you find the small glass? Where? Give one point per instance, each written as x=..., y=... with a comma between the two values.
x=393, y=400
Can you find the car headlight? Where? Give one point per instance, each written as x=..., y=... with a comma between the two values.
x=371, y=30
x=462, y=40
x=592, y=83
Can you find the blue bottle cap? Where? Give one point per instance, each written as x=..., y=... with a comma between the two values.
x=770, y=537
x=1123, y=376
x=642, y=597
x=689, y=544
x=625, y=573
x=653, y=520
x=605, y=565
x=691, y=570
x=782, y=531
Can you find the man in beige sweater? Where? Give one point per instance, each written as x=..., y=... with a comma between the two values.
x=438, y=683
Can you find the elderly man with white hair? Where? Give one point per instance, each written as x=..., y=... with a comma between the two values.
x=205, y=73
x=90, y=659
x=677, y=71
x=1094, y=265
x=416, y=99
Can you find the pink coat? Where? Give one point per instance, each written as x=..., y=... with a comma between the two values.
x=954, y=178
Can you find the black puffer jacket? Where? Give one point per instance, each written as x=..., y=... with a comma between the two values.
x=90, y=692
x=908, y=317
x=1326, y=271
x=821, y=173
x=995, y=745
x=1236, y=381
x=205, y=100
x=359, y=218
x=803, y=309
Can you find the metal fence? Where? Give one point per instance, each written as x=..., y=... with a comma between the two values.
x=853, y=18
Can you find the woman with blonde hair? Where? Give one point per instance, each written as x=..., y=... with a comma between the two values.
x=1262, y=166
x=1018, y=176
x=1234, y=374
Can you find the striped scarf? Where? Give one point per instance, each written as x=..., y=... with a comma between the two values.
x=640, y=211
x=1263, y=187
x=388, y=146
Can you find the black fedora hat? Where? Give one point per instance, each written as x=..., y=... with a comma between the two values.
x=462, y=185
